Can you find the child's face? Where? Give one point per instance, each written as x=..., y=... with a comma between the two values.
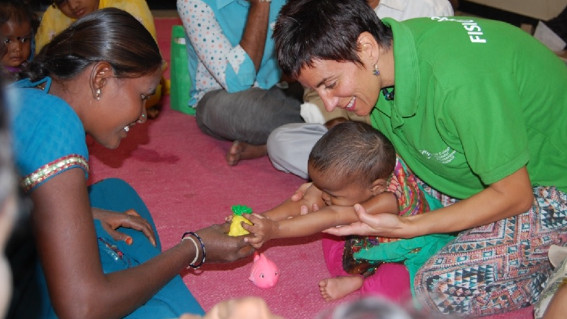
x=76, y=9
x=17, y=41
x=338, y=193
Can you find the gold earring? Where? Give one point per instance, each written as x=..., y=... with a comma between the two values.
x=98, y=93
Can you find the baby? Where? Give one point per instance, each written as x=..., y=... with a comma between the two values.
x=352, y=163
x=17, y=23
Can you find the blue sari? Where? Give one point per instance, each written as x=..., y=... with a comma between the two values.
x=49, y=138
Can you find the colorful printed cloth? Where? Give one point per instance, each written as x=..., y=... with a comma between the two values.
x=498, y=267
x=411, y=201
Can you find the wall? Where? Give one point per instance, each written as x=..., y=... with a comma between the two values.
x=538, y=9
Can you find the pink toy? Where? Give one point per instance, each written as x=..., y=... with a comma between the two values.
x=264, y=272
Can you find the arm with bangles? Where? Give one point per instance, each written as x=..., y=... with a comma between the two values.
x=68, y=249
x=264, y=228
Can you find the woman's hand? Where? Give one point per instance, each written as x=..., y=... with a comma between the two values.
x=385, y=225
x=262, y=230
x=111, y=221
x=221, y=247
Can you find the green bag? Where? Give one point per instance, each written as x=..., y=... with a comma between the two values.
x=180, y=80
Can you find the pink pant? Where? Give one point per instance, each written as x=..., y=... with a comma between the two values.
x=390, y=280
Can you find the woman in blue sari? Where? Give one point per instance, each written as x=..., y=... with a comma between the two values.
x=99, y=253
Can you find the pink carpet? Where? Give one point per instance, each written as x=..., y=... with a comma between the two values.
x=182, y=176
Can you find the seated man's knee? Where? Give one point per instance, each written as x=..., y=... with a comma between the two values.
x=276, y=143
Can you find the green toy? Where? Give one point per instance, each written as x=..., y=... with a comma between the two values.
x=236, y=228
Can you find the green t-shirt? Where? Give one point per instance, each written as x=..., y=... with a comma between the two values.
x=475, y=100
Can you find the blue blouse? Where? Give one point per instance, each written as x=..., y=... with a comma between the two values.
x=48, y=135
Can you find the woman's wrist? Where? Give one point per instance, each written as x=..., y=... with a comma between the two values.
x=200, y=250
x=414, y=226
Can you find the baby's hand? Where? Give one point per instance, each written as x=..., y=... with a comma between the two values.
x=261, y=230
x=309, y=196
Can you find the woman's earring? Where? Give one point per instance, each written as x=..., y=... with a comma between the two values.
x=376, y=71
x=98, y=94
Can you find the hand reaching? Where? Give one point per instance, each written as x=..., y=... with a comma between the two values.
x=262, y=230
x=111, y=221
x=310, y=195
x=300, y=192
x=221, y=247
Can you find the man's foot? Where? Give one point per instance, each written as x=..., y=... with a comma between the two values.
x=338, y=287
x=242, y=151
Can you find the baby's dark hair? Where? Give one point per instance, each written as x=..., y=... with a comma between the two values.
x=111, y=35
x=353, y=151
x=20, y=11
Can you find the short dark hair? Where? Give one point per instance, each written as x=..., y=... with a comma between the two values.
x=20, y=10
x=324, y=29
x=353, y=151
x=108, y=34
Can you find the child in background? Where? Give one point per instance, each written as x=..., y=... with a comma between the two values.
x=354, y=163
x=17, y=26
x=62, y=13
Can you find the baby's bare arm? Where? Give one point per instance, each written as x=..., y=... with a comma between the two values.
x=315, y=222
x=306, y=199
x=264, y=229
x=383, y=203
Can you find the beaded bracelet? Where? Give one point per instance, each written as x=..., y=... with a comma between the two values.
x=187, y=235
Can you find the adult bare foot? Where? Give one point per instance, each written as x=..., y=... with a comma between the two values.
x=242, y=151
x=338, y=287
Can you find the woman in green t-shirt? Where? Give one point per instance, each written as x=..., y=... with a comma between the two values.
x=477, y=108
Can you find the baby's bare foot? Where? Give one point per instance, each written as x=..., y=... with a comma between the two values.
x=338, y=287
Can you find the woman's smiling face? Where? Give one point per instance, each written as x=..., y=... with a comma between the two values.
x=345, y=85
x=123, y=107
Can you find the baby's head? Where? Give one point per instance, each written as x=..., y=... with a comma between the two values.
x=17, y=23
x=351, y=163
x=76, y=9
